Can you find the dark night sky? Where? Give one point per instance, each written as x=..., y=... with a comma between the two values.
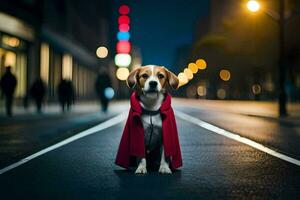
x=159, y=27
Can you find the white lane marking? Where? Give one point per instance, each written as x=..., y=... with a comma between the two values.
x=236, y=137
x=104, y=125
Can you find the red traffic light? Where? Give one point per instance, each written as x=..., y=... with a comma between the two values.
x=124, y=10
x=123, y=47
x=124, y=27
x=124, y=19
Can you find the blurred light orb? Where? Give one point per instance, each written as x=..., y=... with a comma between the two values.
x=188, y=73
x=122, y=60
x=191, y=92
x=121, y=36
x=193, y=67
x=124, y=19
x=225, y=75
x=10, y=41
x=253, y=5
x=122, y=73
x=201, y=91
x=124, y=10
x=123, y=47
x=102, y=52
x=201, y=64
x=109, y=93
x=124, y=27
x=221, y=93
x=256, y=89
x=182, y=79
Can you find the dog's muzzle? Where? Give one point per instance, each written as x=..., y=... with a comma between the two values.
x=152, y=86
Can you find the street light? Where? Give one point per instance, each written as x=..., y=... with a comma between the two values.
x=254, y=6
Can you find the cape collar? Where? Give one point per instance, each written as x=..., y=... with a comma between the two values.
x=137, y=108
x=150, y=112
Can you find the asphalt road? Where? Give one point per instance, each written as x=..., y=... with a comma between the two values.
x=215, y=167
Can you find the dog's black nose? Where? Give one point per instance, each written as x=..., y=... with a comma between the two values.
x=152, y=84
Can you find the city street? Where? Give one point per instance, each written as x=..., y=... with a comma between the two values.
x=214, y=166
x=76, y=76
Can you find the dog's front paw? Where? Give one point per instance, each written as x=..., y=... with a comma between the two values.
x=141, y=169
x=164, y=169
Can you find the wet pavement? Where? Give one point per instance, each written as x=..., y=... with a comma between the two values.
x=214, y=167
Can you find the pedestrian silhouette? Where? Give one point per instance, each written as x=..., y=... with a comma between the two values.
x=102, y=82
x=37, y=92
x=8, y=85
x=66, y=94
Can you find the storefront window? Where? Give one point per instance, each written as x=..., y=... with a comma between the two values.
x=12, y=54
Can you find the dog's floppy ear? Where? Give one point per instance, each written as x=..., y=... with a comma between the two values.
x=172, y=79
x=132, y=78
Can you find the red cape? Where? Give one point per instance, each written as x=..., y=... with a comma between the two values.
x=132, y=141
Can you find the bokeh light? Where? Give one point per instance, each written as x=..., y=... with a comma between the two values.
x=109, y=93
x=253, y=6
x=124, y=27
x=256, y=89
x=124, y=10
x=123, y=60
x=193, y=67
x=124, y=19
x=122, y=73
x=225, y=75
x=221, y=93
x=191, y=91
x=123, y=36
x=10, y=41
x=123, y=47
x=201, y=64
x=201, y=91
x=102, y=52
x=188, y=73
x=182, y=79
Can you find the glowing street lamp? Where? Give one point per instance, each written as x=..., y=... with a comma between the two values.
x=279, y=17
x=253, y=6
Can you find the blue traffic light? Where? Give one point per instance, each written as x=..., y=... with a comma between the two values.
x=123, y=36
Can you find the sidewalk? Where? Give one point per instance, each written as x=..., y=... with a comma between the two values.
x=54, y=109
x=262, y=109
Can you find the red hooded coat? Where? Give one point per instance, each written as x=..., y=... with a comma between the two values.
x=132, y=141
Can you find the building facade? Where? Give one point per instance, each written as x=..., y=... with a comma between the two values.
x=54, y=40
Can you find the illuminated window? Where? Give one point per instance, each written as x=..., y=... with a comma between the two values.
x=10, y=59
x=67, y=67
x=44, y=63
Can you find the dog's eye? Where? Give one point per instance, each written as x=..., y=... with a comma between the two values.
x=160, y=76
x=145, y=75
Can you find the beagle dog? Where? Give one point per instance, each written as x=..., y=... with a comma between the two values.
x=151, y=82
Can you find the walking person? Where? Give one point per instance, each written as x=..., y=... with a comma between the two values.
x=102, y=82
x=8, y=85
x=37, y=92
x=66, y=94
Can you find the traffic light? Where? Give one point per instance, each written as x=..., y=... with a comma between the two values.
x=123, y=46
